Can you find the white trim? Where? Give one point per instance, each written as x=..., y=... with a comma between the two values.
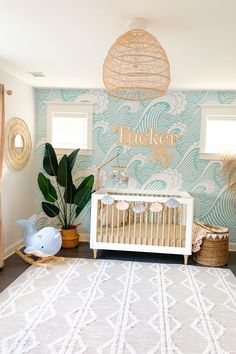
x=232, y=246
x=10, y=250
x=208, y=156
x=69, y=103
x=84, y=237
x=61, y=152
x=217, y=105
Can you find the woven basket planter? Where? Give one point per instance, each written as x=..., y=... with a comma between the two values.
x=215, y=246
x=70, y=238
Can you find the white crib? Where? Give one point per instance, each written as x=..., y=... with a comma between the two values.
x=166, y=231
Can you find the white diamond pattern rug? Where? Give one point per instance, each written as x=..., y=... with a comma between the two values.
x=113, y=307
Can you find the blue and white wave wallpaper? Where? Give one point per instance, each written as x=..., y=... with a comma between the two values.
x=176, y=112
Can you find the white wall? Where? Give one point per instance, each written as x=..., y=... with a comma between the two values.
x=18, y=188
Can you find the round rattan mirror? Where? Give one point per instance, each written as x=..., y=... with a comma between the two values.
x=17, y=143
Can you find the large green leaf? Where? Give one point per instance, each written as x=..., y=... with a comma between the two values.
x=46, y=187
x=82, y=197
x=50, y=209
x=64, y=177
x=72, y=158
x=86, y=183
x=69, y=194
x=50, y=163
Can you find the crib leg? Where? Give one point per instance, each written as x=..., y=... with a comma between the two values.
x=186, y=259
x=95, y=253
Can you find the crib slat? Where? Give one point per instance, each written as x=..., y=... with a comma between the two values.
x=157, y=229
x=183, y=223
x=140, y=228
x=146, y=223
x=101, y=222
x=129, y=236
x=118, y=225
x=163, y=227
x=169, y=221
x=112, y=222
x=175, y=212
x=151, y=232
x=107, y=210
x=123, y=230
x=180, y=226
x=134, y=238
x=98, y=221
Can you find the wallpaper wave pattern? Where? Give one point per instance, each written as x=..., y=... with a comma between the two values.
x=177, y=112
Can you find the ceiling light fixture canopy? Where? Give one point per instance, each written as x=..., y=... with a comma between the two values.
x=136, y=67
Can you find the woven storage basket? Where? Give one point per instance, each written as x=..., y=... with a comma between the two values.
x=215, y=246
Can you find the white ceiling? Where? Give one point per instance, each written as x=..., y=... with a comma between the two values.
x=68, y=39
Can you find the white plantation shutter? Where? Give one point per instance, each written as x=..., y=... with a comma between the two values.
x=70, y=127
x=218, y=131
x=221, y=135
x=70, y=131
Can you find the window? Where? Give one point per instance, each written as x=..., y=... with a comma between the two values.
x=70, y=127
x=218, y=131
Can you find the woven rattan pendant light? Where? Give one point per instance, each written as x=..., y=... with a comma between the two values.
x=136, y=67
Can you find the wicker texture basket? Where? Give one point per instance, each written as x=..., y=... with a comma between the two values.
x=215, y=246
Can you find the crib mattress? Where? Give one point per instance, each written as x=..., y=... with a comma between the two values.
x=144, y=234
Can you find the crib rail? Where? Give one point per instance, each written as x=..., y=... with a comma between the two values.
x=168, y=230
x=165, y=228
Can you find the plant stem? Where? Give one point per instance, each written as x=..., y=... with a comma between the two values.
x=66, y=214
x=70, y=216
x=73, y=215
x=63, y=204
x=58, y=216
x=61, y=208
x=73, y=212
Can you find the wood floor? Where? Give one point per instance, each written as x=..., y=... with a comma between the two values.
x=14, y=265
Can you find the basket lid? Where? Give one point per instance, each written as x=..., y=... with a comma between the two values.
x=213, y=228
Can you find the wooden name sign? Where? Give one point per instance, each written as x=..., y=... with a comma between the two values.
x=159, y=142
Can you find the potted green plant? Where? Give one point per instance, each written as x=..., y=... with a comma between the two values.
x=64, y=201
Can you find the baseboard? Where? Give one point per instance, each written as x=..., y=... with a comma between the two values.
x=232, y=246
x=8, y=251
x=19, y=244
x=84, y=237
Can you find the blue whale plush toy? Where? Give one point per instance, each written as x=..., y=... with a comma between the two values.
x=43, y=243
